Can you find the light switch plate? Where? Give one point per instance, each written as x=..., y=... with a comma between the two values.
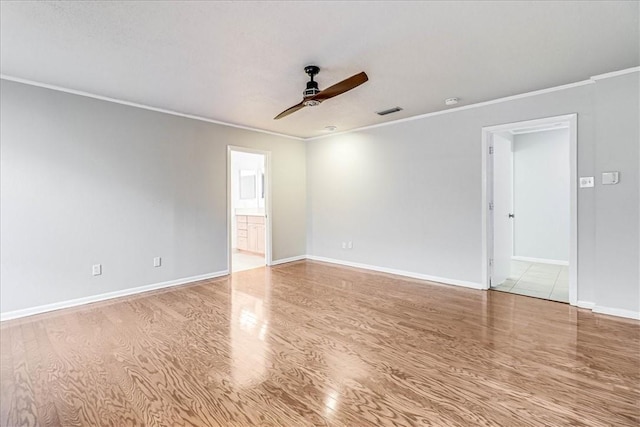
x=96, y=269
x=610, y=178
x=586, y=181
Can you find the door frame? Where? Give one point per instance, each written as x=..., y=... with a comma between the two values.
x=267, y=203
x=487, y=183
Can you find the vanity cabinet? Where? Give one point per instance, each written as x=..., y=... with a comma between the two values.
x=250, y=233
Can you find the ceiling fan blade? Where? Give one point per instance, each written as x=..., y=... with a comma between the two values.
x=342, y=87
x=289, y=111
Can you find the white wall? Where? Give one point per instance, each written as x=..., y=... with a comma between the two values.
x=409, y=194
x=617, y=130
x=85, y=181
x=541, y=174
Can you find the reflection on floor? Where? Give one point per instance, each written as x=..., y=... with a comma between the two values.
x=310, y=344
x=246, y=261
x=546, y=281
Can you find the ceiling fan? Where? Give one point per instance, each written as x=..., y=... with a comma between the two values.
x=313, y=96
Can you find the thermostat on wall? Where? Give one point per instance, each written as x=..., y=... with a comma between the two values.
x=610, y=178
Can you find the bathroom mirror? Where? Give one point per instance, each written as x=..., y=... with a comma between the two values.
x=247, y=184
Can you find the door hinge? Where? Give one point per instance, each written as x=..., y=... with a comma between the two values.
x=490, y=206
x=490, y=262
x=491, y=150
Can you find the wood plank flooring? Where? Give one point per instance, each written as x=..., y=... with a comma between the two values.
x=312, y=344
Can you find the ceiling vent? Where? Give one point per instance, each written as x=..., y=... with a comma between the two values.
x=389, y=111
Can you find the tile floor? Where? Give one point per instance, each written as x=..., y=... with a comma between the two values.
x=546, y=281
x=246, y=261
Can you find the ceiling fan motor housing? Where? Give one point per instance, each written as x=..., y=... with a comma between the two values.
x=312, y=89
x=312, y=86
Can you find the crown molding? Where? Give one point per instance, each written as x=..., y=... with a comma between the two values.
x=464, y=107
x=143, y=106
x=591, y=80
x=615, y=73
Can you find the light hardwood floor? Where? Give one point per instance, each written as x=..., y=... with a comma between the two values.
x=311, y=344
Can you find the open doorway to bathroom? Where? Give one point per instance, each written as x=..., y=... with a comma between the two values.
x=531, y=208
x=248, y=195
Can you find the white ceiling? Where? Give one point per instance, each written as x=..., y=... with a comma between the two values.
x=242, y=62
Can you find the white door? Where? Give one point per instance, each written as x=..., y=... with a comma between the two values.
x=502, y=209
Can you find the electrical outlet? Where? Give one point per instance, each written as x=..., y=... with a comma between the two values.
x=157, y=261
x=350, y=244
x=96, y=270
x=344, y=245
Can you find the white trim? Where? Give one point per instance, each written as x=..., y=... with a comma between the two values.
x=618, y=312
x=615, y=73
x=540, y=260
x=106, y=296
x=290, y=259
x=413, y=275
x=143, y=106
x=464, y=107
x=528, y=123
x=585, y=304
x=592, y=80
x=267, y=203
x=535, y=130
x=573, y=209
x=486, y=227
x=573, y=202
x=629, y=314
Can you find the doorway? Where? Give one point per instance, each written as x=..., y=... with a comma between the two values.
x=530, y=209
x=248, y=209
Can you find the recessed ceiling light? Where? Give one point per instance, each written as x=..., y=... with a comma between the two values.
x=330, y=128
x=451, y=101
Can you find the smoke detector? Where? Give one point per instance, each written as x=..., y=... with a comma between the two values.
x=451, y=101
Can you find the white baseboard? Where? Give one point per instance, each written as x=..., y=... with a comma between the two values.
x=540, y=260
x=106, y=296
x=619, y=312
x=132, y=291
x=581, y=304
x=629, y=314
x=291, y=259
x=586, y=304
x=413, y=275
